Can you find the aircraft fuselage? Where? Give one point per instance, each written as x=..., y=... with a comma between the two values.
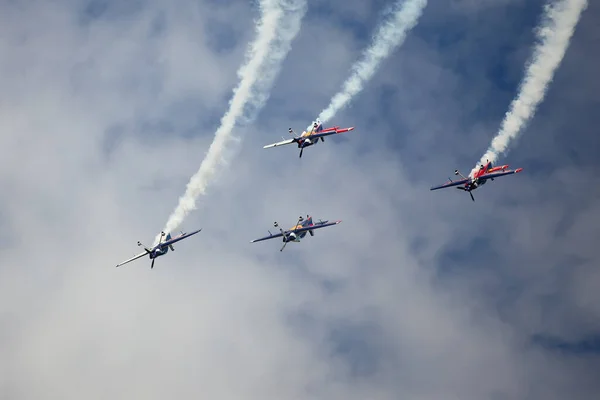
x=296, y=237
x=160, y=251
x=474, y=184
x=307, y=141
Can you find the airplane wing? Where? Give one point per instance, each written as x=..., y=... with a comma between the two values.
x=332, y=131
x=283, y=142
x=450, y=184
x=133, y=258
x=500, y=173
x=318, y=225
x=272, y=236
x=180, y=237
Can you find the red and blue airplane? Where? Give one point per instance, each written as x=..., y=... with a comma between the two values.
x=298, y=231
x=479, y=178
x=161, y=248
x=310, y=136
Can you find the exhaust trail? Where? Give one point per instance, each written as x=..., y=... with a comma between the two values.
x=278, y=25
x=390, y=34
x=553, y=36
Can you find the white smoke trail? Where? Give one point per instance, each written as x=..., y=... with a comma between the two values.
x=278, y=25
x=553, y=35
x=390, y=34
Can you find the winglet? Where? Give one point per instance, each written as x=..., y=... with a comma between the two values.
x=518, y=170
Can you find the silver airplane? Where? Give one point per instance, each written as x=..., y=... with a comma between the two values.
x=161, y=248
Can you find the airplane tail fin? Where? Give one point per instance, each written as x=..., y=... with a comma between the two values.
x=316, y=126
x=319, y=125
x=489, y=167
x=167, y=238
x=309, y=222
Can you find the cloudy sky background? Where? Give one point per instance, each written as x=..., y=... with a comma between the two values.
x=107, y=109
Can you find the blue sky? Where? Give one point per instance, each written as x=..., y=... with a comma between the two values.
x=417, y=294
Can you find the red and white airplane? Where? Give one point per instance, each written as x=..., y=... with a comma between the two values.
x=479, y=178
x=310, y=136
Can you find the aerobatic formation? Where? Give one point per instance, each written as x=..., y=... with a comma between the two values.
x=265, y=55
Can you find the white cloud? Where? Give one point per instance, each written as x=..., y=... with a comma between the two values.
x=221, y=317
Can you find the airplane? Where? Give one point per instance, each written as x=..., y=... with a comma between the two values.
x=479, y=178
x=310, y=136
x=298, y=231
x=161, y=248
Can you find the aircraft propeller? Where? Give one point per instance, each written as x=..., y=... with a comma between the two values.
x=470, y=193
